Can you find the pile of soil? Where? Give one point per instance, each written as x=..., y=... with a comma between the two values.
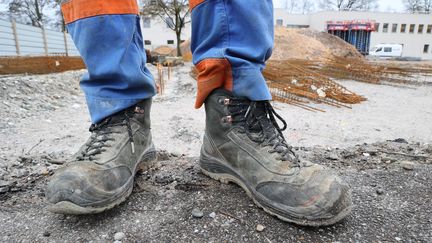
x=39, y=65
x=163, y=51
x=310, y=45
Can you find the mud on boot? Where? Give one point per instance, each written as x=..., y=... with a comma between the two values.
x=101, y=175
x=244, y=144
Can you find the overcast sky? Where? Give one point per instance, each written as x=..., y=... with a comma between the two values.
x=384, y=5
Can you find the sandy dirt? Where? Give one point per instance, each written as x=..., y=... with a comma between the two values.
x=382, y=147
x=310, y=45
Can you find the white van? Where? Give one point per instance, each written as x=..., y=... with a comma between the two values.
x=387, y=50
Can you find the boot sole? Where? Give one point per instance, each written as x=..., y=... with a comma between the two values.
x=227, y=175
x=148, y=160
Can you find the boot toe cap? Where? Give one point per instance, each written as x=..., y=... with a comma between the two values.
x=324, y=197
x=87, y=186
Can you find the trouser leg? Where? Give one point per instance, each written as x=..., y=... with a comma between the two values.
x=107, y=34
x=231, y=40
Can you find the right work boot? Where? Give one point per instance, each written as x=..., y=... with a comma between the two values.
x=101, y=175
x=244, y=144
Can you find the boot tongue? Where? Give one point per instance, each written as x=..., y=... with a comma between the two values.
x=120, y=116
x=263, y=123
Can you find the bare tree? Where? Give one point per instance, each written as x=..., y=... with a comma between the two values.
x=306, y=6
x=291, y=5
x=175, y=13
x=413, y=6
x=29, y=11
x=59, y=22
x=427, y=6
x=348, y=5
x=418, y=6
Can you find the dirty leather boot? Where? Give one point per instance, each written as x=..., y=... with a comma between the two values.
x=243, y=143
x=101, y=174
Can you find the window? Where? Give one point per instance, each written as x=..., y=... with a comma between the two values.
x=429, y=29
x=297, y=26
x=394, y=28
x=377, y=25
x=146, y=22
x=147, y=42
x=403, y=28
x=420, y=28
x=170, y=42
x=279, y=22
x=385, y=27
x=387, y=49
x=379, y=49
x=426, y=49
x=412, y=28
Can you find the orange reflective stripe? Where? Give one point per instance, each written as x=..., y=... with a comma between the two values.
x=194, y=3
x=212, y=74
x=79, y=9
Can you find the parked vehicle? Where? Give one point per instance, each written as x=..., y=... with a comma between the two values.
x=387, y=50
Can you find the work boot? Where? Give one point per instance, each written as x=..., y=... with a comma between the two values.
x=101, y=174
x=244, y=144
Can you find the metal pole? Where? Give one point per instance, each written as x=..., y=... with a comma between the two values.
x=14, y=30
x=65, y=43
x=45, y=41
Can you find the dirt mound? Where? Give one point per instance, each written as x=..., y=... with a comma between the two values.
x=163, y=51
x=310, y=45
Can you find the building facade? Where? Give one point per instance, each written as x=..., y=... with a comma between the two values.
x=156, y=32
x=413, y=31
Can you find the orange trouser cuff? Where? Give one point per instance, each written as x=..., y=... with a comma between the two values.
x=212, y=74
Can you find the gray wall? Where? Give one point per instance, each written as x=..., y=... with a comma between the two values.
x=24, y=40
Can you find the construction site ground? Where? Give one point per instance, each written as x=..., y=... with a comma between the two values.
x=382, y=147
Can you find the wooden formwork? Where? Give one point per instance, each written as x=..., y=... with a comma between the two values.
x=39, y=64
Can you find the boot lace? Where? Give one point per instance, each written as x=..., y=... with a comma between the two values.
x=102, y=135
x=259, y=122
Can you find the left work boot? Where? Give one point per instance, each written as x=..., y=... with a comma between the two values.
x=102, y=173
x=244, y=144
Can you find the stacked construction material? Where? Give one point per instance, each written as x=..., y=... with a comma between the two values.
x=294, y=72
x=305, y=64
x=294, y=84
x=355, y=32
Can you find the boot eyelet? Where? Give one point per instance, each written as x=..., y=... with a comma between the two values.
x=226, y=101
x=227, y=119
x=139, y=110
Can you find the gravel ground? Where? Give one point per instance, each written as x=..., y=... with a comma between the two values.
x=44, y=120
